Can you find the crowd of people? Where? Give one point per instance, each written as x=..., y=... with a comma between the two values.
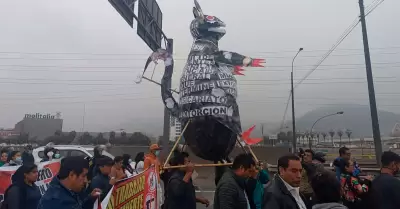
x=302, y=181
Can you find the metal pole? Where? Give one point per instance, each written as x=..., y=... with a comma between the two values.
x=338, y=113
x=371, y=90
x=167, y=116
x=294, y=141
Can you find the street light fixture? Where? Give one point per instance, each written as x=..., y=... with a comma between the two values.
x=294, y=141
x=338, y=113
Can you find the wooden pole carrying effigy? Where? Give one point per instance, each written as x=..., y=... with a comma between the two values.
x=176, y=144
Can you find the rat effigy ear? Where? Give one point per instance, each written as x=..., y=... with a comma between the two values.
x=197, y=12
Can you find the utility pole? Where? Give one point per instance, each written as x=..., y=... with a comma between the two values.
x=167, y=116
x=83, y=118
x=294, y=140
x=371, y=91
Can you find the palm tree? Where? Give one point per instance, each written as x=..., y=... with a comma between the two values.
x=324, y=135
x=302, y=137
x=311, y=140
x=307, y=134
x=348, y=133
x=318, y=135
x=340, y=134
x=332, y=134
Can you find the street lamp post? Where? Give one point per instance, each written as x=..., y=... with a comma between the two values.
x=294, y=141
x=338, y=113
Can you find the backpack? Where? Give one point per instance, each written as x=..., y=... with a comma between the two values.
x=22, y=197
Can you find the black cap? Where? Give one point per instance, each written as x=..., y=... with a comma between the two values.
x=105, y=161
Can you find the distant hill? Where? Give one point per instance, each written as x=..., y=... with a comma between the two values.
x=356, y=118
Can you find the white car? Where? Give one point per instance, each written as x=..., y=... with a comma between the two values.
x=68, y=150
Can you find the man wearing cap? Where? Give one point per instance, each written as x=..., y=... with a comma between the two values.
x=102, y=179
x=152, y=157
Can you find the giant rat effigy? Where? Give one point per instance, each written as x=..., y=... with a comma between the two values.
x=207, y=106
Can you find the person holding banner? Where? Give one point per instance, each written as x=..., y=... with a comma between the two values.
x=66, y=190
x=23, y=193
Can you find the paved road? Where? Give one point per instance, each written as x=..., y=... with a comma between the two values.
x=207, y=194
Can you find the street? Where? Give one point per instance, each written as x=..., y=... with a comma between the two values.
x=207, y=194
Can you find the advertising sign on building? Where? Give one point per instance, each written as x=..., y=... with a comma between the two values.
x=40, y=116
x=273, y=136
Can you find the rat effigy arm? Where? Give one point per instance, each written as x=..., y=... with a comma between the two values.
x=235, y=59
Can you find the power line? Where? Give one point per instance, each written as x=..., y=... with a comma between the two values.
x=147, y=54
x=329, y=52
x=132, y=68
x=176, y=58
x=130, y=80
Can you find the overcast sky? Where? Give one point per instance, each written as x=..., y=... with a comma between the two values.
x=63, y=55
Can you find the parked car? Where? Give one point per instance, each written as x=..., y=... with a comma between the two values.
x=68, y=150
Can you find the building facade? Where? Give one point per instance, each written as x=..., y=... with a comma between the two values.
x=176, y=129
x=39, y=126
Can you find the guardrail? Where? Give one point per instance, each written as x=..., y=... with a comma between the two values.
x=366, y=171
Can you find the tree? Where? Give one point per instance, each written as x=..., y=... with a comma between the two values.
x=307, y=134
x=318, y=135
x=86, y=139
x=70, y=137
x=58, y=133
x=332, y=134
x=311, y=139
x=289, y=136
x=100, y=139
x=123, y=134
x=324, y=135
x=138, y=138
x=112, y=137
x=348, y=133
x=281, y=136
x=340, y=134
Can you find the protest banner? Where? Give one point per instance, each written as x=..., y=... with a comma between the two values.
x=136, y=192
x=46, y=170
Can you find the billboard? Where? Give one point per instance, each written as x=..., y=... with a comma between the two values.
x=125, y=8
x=150, y=23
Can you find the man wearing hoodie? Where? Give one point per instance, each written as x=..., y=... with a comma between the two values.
x=327, y=191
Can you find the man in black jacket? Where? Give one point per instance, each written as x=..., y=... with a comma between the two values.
x=180, y=189
x=230, y=192
x=284, y=193
x=385, y=189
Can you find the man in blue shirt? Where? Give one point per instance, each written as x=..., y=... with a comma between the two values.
x=66, y=190
x=344, y=153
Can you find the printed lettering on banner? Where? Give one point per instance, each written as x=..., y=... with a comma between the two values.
x=46, y=170
x=136, y=192
x=208, y=110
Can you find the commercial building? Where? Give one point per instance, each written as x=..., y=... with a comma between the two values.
x=39, y=126
x=176, y=129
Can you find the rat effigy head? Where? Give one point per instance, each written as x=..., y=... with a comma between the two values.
x=206, y=26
